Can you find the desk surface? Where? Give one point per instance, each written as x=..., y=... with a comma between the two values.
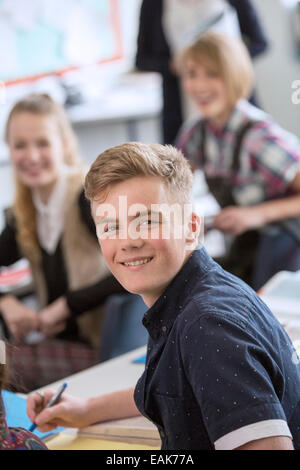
x=109, y=376
x=69, y=441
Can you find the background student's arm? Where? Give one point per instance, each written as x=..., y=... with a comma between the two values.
x=9, y=249
x=250, y=26
x=236, y=220
x=18, y=318
x=80, y=412
x=53, y=317
x=285, y=207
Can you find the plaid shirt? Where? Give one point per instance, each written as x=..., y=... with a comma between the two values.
x=269, y=156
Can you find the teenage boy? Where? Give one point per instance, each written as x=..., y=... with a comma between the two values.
x=219, y=372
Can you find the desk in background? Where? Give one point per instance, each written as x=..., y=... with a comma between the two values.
x=129, y=111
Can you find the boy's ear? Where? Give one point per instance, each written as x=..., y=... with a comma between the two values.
x=193, y=230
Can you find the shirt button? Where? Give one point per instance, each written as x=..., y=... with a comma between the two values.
x=164, y=329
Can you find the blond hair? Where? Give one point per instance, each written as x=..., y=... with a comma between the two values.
x=24, y=211
x=228, y=57
x=132, y=159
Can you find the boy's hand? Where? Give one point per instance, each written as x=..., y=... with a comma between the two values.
x=53, y=317
x=69, y=412
x=237, y=220
x=20, y=320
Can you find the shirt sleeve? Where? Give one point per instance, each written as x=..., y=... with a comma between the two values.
x=153, y=53
x=232, y=382
x=275, y=157
x=87, y=298
x=9, y=249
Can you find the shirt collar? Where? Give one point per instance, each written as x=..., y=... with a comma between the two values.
x=160, y=317
x=56, y=197
x=238, y=116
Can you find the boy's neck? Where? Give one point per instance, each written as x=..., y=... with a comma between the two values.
x=150, y=300
x=220, y=121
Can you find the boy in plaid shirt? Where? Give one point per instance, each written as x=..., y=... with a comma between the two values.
x=251, y=165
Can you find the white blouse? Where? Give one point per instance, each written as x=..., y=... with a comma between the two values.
x=184, y=20
x=50, y=216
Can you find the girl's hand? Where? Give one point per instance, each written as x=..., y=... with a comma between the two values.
x=53, y=317
x=70, y=411
x=237, y=220
x=20, y=320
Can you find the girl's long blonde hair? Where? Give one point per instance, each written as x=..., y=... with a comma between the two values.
x=23, y=208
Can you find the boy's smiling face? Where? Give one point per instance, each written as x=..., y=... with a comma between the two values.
x=142, y=248
x=208, y=91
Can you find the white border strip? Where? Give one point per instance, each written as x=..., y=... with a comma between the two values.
x=252, y=432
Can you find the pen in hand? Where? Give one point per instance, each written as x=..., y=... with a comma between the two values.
x=53, y=401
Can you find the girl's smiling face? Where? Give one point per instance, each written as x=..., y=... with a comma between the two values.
x=208, y=91
x=144, y=264
x=36, y=149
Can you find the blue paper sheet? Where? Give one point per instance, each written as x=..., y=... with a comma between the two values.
x=140, y=360
x=16, y=416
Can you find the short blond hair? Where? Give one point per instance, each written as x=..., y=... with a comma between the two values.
x=228, y=57
x=132, y=159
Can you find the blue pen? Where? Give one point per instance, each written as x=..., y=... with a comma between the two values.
x=52, y=402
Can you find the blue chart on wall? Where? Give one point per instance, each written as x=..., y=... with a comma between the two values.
x=42, y=36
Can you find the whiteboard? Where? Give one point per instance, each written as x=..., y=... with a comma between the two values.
x=39, y=37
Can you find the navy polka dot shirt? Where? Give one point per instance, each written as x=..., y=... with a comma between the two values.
x=220, y=370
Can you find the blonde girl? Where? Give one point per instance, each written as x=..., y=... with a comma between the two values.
x=50, y=225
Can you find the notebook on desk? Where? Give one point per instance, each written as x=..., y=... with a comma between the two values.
x=136, y=430
x=16, y=416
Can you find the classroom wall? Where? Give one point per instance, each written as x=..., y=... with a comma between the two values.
x=280, y=66
x=97, y=134
x=130, y=10
x=275, y=70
